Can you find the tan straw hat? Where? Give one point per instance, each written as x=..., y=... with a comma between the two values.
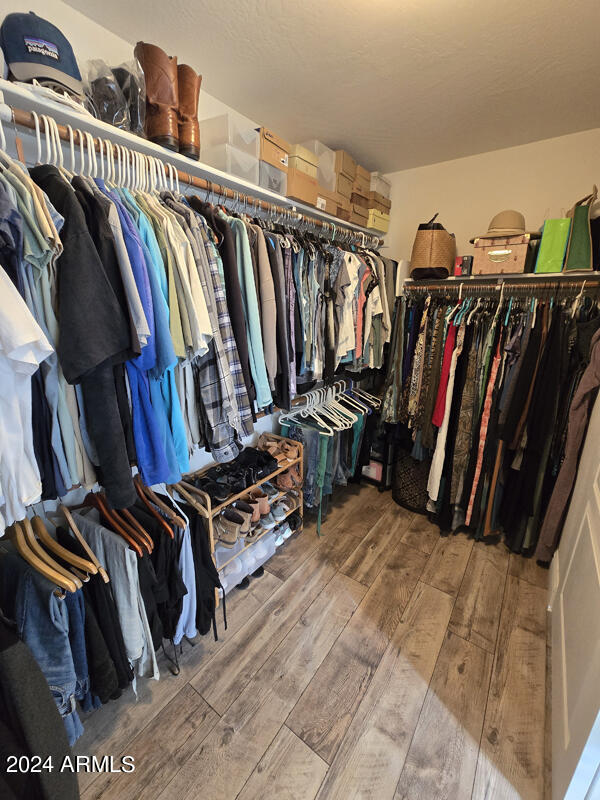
x=506, y=223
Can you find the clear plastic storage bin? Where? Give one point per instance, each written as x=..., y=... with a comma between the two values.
x=269, y=177
x=229, y=159
x=380, y=184
x=326, y=167
x=231, y=129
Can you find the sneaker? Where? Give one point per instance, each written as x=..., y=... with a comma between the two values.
x=279, y=511
x=271, y=491
x=227, y=527
x=286, y=531
x=279, y=540
x=246, y=511
x=267, y=522
x=294, y=521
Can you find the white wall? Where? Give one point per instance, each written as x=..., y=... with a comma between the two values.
x=541, y=180
x=90, y=40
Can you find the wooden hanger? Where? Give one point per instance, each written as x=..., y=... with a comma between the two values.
x=181, y=489
x=96, y=501
x=87, y=567
x=140, y=530
x=77, y=534
x=36, y=548
x=152, y=510
x=15, y=534
x=153, y=497
x=130, y=525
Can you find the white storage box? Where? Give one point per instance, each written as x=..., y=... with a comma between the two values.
x=229, y=159
x=232, y=574
x=326, y=166
x=269, y=177
x=224, y=554
x=231, y=129
x=380, y=184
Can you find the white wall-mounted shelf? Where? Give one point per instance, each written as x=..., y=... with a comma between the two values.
x=19, y=96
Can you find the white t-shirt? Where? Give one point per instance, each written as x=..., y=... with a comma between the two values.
x=23, y=346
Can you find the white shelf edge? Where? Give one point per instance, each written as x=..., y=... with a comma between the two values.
x=20, y=97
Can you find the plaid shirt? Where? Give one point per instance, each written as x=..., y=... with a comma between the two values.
x=246, y=427
x=214, y=385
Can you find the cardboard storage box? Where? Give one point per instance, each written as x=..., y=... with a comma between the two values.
x=361, y=187
x=380, y=202
x=327, y=200
x=302, y=187
x=363, y=174
x=301, y=158
x=362, y=181
x=359, y=200
x=273, y=149
x=345, y=164
x=344, y=185
x=344, y=207
x=503, y=255
x=378, y=221
x=359, y=215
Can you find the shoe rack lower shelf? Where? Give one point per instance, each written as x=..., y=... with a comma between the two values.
x=260, y=535
x=212, y=511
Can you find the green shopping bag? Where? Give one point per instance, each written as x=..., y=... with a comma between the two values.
x=579, y=249
x=555, y=237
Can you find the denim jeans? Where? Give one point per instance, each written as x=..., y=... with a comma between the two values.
x=42, y=621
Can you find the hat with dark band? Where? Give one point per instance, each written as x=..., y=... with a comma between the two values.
x=35, y=49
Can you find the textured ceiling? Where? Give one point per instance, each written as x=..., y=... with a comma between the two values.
x=399, y=84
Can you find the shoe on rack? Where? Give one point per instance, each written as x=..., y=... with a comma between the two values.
x=279, y=511
x=271, y=491
x=162, y=94
x=188, y=92
x=284, y=481
x=245, y=511
x=217, y=492
x=286, y=531
x=260, y=497
x=294, y=521
x=268, y=522
x=227, y=527
x=295, y=476
x=279, y=540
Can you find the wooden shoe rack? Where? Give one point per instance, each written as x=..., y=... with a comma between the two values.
x=202, y=502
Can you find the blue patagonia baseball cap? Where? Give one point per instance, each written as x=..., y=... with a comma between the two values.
x=34, y=49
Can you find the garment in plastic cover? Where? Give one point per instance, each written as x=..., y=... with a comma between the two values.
x=104, y=97
x=130, y=78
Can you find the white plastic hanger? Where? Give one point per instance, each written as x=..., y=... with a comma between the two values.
x=577, y=300
x=38, y=140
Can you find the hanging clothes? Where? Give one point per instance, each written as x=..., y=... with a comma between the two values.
x=481, y=388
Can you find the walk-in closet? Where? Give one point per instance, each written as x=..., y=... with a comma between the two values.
x=300, y=357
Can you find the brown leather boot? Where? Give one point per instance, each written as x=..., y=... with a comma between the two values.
x=189, y=130
x=160, y=73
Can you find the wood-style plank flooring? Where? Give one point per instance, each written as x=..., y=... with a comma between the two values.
x=379, y=661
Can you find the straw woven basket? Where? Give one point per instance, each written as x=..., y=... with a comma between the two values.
x=433, y=253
